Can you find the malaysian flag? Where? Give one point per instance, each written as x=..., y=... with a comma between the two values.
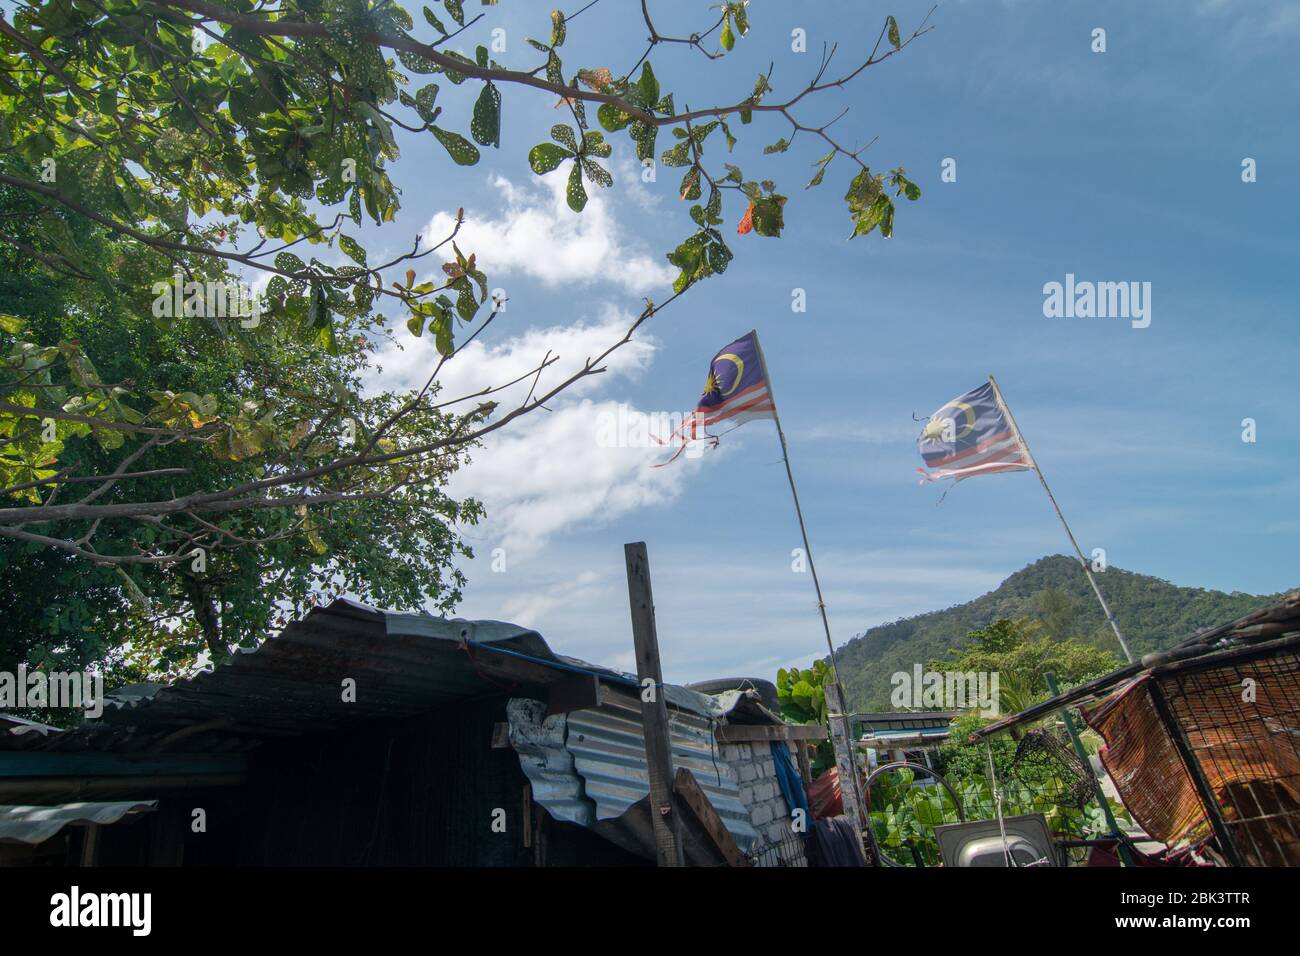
x=735, y=390
x=971, y=435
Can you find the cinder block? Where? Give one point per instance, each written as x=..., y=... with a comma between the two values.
x=761, y=815
x=764, y=791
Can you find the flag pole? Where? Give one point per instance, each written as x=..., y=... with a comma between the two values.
x=821, y=604
x=1015, y=429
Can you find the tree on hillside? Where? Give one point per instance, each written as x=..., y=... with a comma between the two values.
x=1059, y=613
x=1021, y=653
x=206, y=463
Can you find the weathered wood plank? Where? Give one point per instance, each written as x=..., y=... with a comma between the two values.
x=575, y=692
x=695, y=801
x=743, y=733
x=654, y=718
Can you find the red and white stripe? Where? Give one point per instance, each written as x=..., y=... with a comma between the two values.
x=754, y=402
x=997, y=453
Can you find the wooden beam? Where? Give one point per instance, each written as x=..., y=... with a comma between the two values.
x=540, y=823
x=527, y=815
x=27, y=789
x=654, y=718
x=511, y=668
x=805, y=765
x=90, y=845
x=574, y=692
x=26, y=764
x=693, y=799
x=742, y=733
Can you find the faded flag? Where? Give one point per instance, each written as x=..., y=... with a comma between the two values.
x=971, y=435
x=735, y=390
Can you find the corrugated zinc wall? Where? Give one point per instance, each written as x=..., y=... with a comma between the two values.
x=607, y=753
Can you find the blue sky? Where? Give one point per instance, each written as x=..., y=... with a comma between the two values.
x=1115, y=166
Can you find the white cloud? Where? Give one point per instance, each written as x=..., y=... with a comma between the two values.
x=583, y=589
x=547, y=473
x=484, y=362
x=554, y=468
x=538, y=235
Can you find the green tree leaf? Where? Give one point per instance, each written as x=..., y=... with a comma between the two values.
x=648, y=86
x=545, y=157
x=575, y=193
x=485, y=126
x=564, y=136
x=352, y=249
x=461, y=150
x=434, y=21
x=612, y=118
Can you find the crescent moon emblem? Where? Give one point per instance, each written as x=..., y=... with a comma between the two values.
x=737, y=361
x=970, y=418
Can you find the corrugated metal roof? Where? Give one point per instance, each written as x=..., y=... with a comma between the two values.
x=907, y=733
x=586, y=768
x=37, y=824
x=17, y=726
x=403, y=664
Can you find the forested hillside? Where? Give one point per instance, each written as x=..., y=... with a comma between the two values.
x=1152, y=613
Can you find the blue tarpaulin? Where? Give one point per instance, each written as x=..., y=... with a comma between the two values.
x=787, y=776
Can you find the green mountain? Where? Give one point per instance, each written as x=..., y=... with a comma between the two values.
x=1153, y=614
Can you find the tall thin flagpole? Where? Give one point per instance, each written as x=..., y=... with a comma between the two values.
x=821, y=603
x=1011, y=420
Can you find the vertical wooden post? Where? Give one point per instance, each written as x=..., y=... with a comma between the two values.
x=90, y=846
x=654, y=713
x=805, y=765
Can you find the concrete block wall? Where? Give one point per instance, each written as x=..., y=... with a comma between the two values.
x=761, y=794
